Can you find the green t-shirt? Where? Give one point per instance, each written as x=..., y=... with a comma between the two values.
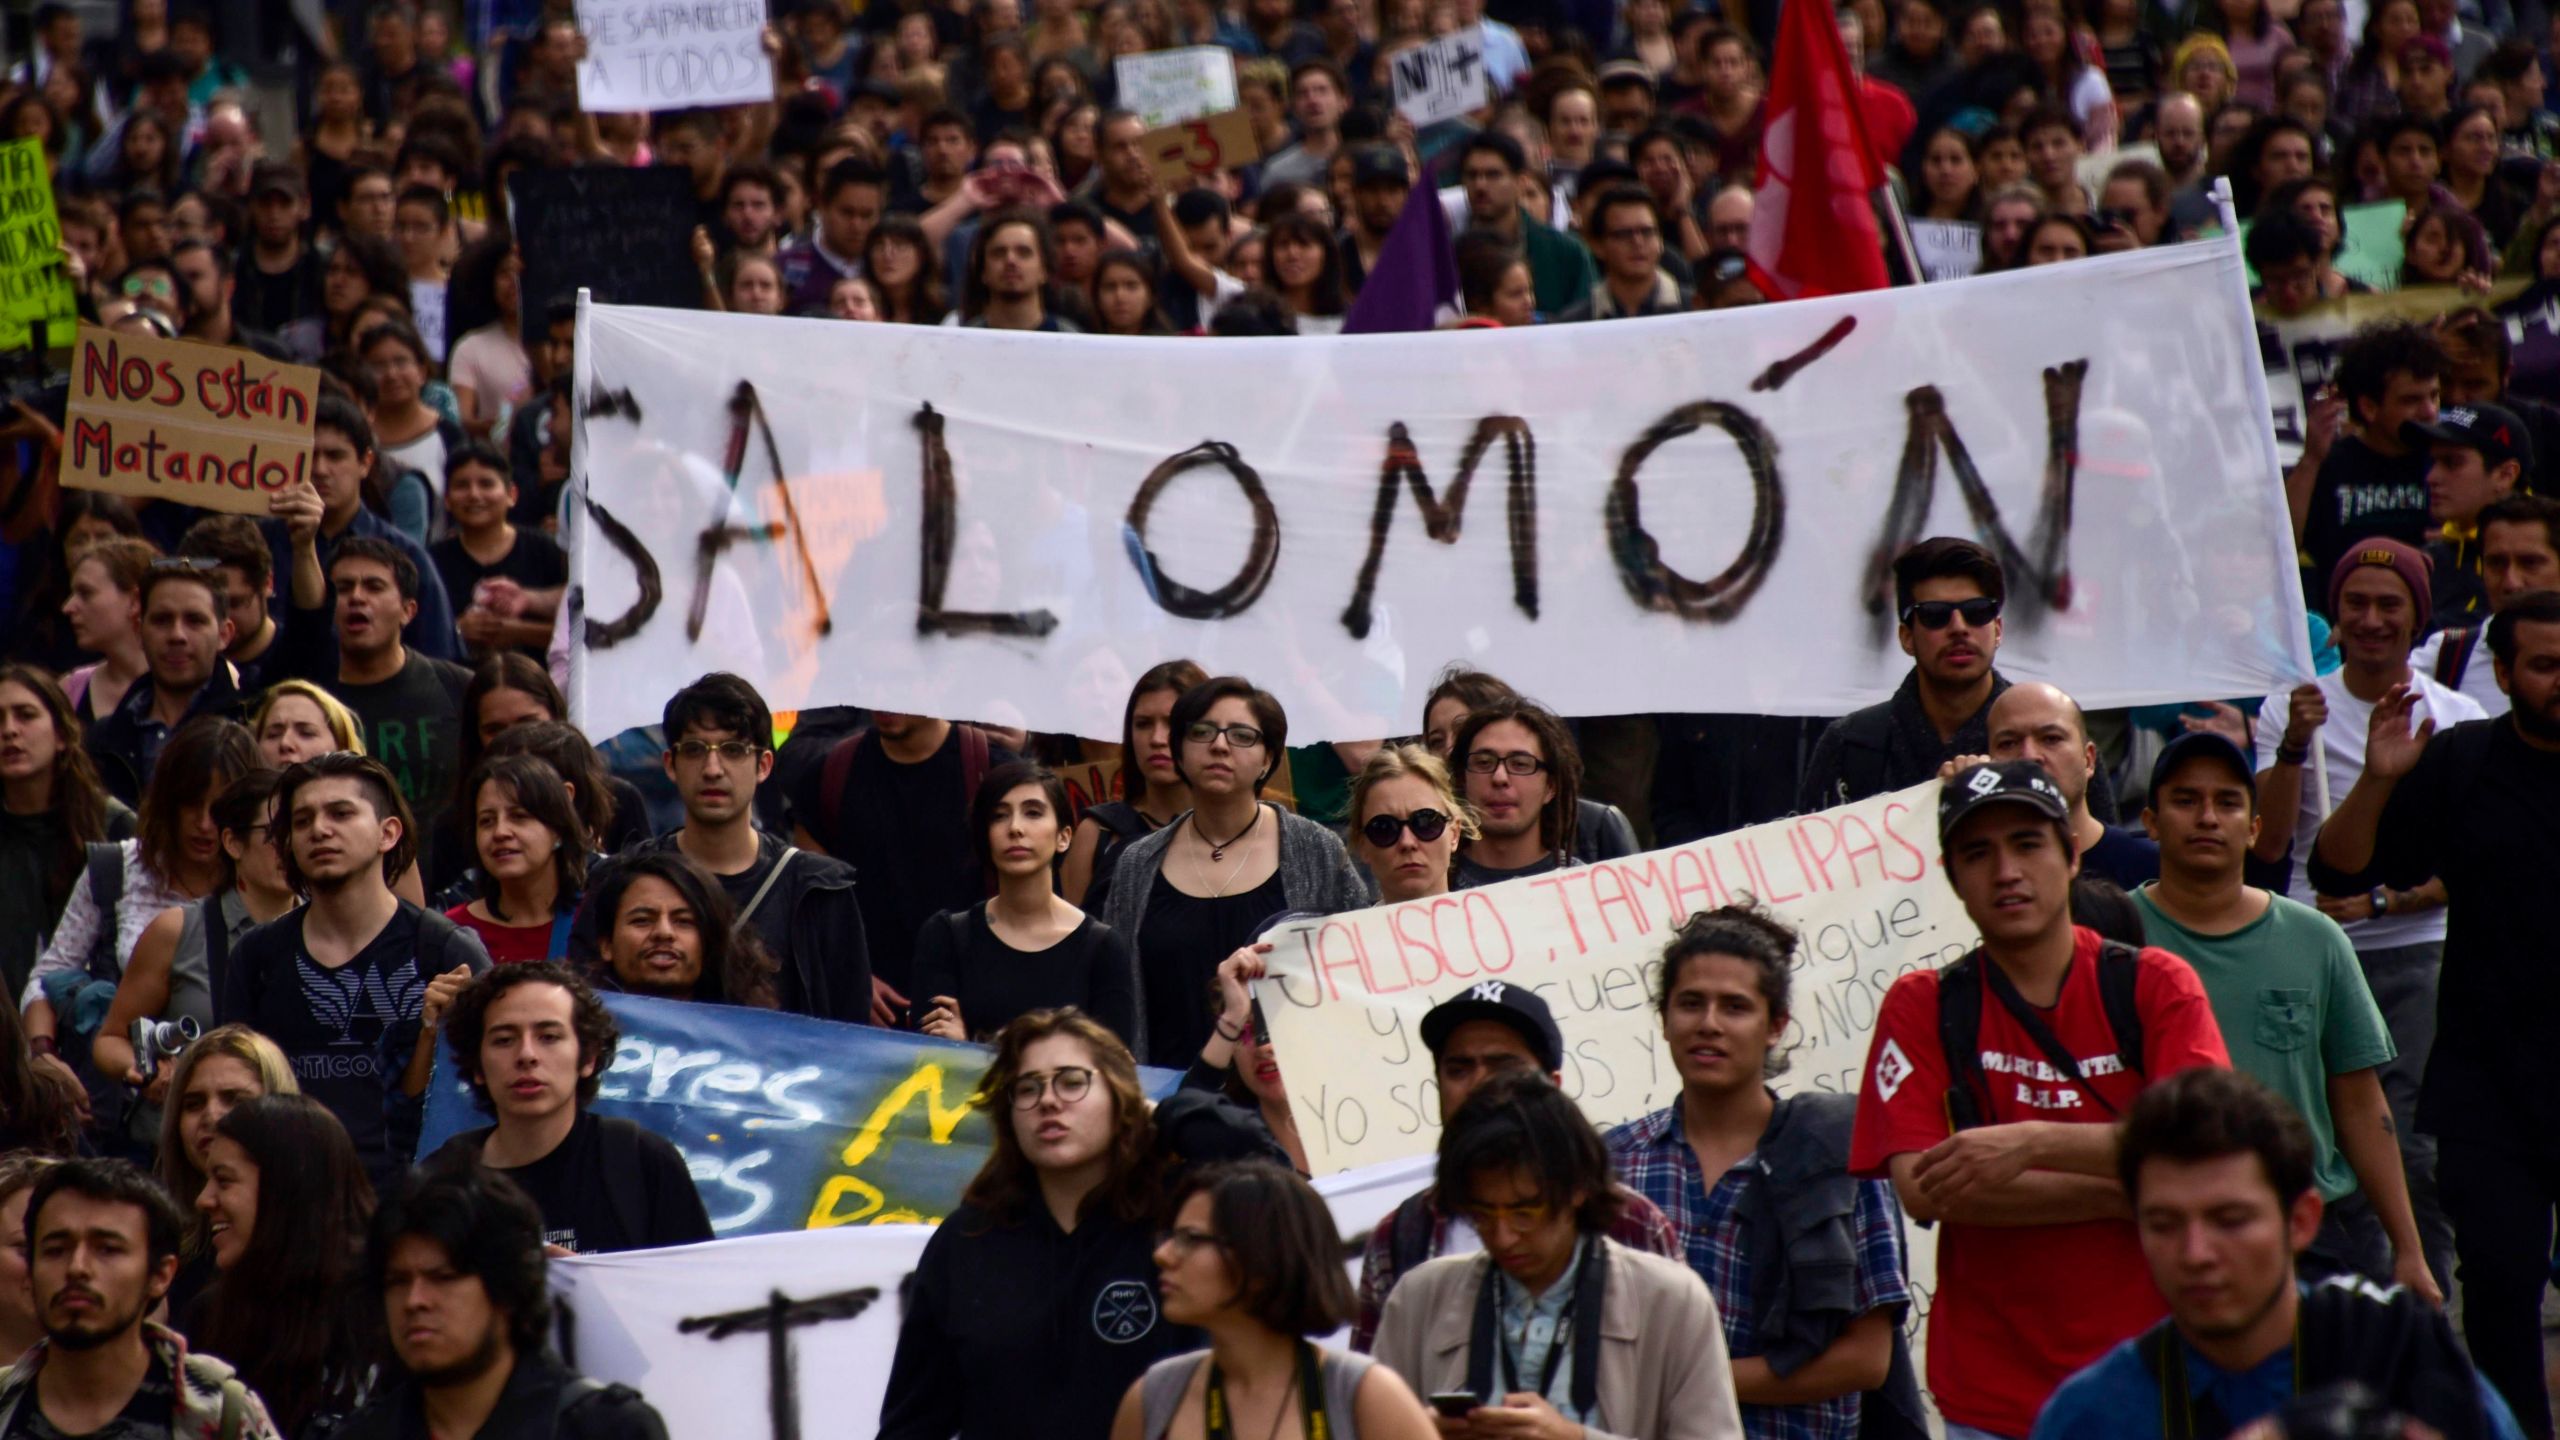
x=2294, y=1009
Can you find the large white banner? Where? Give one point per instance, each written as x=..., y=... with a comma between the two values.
x=1688, y=513
x=1860, y=884
x=693, y=1329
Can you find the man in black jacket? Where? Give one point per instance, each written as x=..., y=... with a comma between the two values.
x=1947, y=597
x=719, y=752
x=185, y=629
x=458, y=1263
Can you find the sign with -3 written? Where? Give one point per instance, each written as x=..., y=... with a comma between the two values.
x=1860, y=884
x=1442, y=79
x=787, y=1122
x=661, y=55
x=36, y=303
x=1188, y=152
x=1163, y=87
x=175, y=420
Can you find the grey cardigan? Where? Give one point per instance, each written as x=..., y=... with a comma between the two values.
x=1316, y=874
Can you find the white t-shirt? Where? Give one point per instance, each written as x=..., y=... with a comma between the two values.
x=2479, y=674
x=2341, y=747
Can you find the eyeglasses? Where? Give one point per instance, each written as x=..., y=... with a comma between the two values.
x=1183, y=1240
x=1242, y=737
x=1485, y=1217
x=731, y=752
x=1934, y=614
x=1072, y=1082
x=1426, y=825
x=1637, y=233
x=1518, y=762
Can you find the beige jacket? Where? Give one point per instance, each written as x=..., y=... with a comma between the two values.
x=1664, y=1374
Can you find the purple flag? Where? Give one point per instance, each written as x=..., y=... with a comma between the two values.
x=1416, y=273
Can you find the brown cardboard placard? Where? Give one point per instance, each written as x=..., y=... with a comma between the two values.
x=175, y=420
x=1189, y=152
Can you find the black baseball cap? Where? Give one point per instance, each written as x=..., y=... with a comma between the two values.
x=1507, y=1003
x=2493, y=430
x=2199, y=745
x=2002, y=782
x=1379, y=165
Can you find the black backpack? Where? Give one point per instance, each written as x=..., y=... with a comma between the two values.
x=1960, y=1001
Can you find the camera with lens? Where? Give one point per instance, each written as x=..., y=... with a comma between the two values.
x=158, y=1040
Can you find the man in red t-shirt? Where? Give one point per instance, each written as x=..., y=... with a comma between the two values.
x=2038, y=1270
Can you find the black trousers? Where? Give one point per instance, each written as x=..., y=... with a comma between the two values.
x=2503, y=1197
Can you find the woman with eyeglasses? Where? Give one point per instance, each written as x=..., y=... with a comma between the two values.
x=1251, y=1259
x=1203, y=887
x=1026, y=949
x=1034, y=1306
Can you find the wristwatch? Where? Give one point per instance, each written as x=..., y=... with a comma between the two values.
x=2381, y=900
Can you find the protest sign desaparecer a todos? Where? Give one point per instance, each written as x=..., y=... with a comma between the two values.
x=198, y=424
x=1011, y=527
x=787, y=1122
x=662, y=55
x=1861, y=884
x=36, y=303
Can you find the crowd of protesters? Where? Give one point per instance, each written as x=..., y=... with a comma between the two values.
x=291, y=804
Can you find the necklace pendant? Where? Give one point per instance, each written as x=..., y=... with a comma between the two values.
x=1217, y=853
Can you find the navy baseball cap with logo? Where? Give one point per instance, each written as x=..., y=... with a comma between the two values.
x=2493, y=430
x=2002, y=782
x=1505, y=1003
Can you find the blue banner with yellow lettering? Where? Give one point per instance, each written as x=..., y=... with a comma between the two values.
x=788, y=1123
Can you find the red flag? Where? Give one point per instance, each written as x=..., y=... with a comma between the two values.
x=1813, y=222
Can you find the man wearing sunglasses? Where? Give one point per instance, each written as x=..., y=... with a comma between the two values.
x=801, y=903
x=1484, y=1031
x=1948, y=593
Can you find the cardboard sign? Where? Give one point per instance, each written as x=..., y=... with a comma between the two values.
x=653, y=55
x=625, y=234
x=1187, y=153
x=1091, y=783
x=36, y=302
x=1949, y=249
x=1860, y=884
x=174, y=420
x=1442, y=79
x=1166, y=87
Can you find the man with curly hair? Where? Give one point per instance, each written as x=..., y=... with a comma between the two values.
x=534, y=1041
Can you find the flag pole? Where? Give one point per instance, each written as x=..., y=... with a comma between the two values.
x=1898, y=230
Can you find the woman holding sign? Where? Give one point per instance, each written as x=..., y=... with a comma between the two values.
x=1194, y=892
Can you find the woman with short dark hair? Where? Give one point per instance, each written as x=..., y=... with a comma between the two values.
x=1205, y=886
x=1252, y=1258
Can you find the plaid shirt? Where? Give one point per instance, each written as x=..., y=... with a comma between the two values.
x=1654, y=1159
x=1640, y=1226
